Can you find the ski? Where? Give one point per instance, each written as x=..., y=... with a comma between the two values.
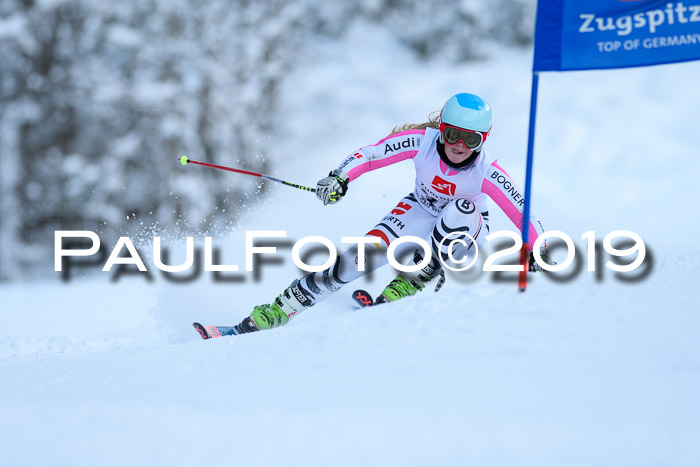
x=212, y=332
x=362, y=298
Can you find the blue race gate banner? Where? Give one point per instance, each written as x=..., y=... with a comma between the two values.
x=594, y=34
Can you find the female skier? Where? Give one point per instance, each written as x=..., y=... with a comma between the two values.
x=454, y=175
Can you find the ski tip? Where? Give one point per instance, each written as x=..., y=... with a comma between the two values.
x=201, y=330
x=184, y=160
x=362, y=298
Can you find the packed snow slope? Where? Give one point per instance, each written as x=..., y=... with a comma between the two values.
x=597, y=369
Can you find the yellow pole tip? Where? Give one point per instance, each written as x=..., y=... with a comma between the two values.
x=184, y=160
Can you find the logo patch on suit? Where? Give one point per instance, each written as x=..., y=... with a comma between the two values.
x=401, y=208
x=443, y=186
x=465, y=206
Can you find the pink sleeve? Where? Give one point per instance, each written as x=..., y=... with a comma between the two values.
x=501, y=188
x=390, y=150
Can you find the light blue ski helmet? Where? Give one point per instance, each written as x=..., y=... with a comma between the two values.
x=467, y=111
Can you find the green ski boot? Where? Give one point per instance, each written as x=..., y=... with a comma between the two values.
x=269, y=316
x=407, y=284
x=399, y=288
x=290, y=302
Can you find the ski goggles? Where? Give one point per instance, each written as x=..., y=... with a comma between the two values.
x=471, y=138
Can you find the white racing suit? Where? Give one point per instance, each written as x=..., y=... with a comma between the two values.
x=444, y=200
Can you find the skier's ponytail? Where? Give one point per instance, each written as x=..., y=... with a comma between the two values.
x=433, y=122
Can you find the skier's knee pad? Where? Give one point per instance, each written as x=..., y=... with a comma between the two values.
x=457, y=219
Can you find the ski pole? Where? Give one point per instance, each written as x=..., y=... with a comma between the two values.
x=184, y=160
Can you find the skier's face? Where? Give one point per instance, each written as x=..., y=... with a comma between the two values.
x=458, y=153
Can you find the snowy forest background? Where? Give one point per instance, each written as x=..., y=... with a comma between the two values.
x=99, y=99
